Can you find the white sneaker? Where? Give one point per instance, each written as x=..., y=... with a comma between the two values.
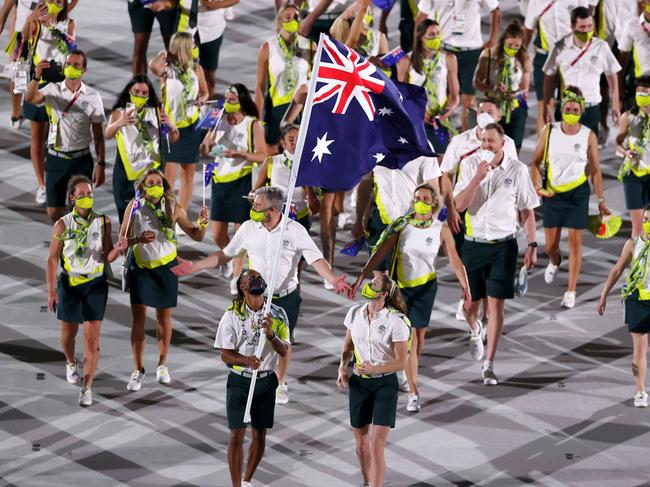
x=549, y=273
x=246, y=484
x=72, y=373
x=162, y=375
x=489, y=377
x=460, y=316
x=282, y=394
x=476, y=348
x=569, y=300
x=233, y=286
x=403, y=381
x=413, y=404
x=641, y=399
x=40, y=195
x=327, y=285
x=135, y=382
x=85, y=397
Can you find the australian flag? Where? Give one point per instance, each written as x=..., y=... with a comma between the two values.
x=358, y=118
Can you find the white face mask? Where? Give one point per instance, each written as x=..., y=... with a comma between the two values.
x=485, y=155
x=484, y=119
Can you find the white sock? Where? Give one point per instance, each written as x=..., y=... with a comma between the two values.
x=487, y=363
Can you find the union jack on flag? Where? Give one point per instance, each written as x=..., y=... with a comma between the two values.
x=348, y=77
x=355, y=118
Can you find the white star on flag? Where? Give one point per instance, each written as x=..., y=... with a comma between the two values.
x=385, y=111
x=402, y=140
x=321, y=147
x=379, y=157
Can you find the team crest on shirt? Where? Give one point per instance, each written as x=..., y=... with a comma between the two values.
x=381, y=329
x=593, y=58
x=429, y=241
x=576, y=147
x=508, y=182
x=285, y=243
x=95, y=235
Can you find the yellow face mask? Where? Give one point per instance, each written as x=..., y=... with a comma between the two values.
x=432, y=44
x=584, y=36
x=85, y=202
x=231, y=107
x=138, y=101
x=642, y=99
x=422, y=208
x=155, y=192
x=570, y=118
x=510, y=51
x=53, y=9
x=195, y=53
x=646, y=225
x=291, y=27
x=71, y=72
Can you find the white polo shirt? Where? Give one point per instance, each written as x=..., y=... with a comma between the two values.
x=464, y=145
x=507, y=188
x=636, y=40
x=240, y=330
x=394, y=187
x=261, y=245
x=460, y=20
x=210, y=23
x=373, y=341
x=74, y=128
x=585, y=72
x=552, y=19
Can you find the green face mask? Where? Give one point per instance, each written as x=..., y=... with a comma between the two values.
x=584, y=36
x=422, y=208
x=432, y=44
x=510, y=51
x=53, y=9
x=368, y=292
x=232, y=107
x=571, y=118
x=155, y=192
x=85, y=202
x=258, y=216
x=71, y=72
x=195, y=53
x=138, y=101
x=642, y=99
x=368, y=20
x=291, y=27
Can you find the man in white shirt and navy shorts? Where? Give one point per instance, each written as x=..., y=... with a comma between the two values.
x=76, y=118
x=493, y=189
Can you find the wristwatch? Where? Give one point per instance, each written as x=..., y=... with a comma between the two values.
x=533, y=244
x=101, y=163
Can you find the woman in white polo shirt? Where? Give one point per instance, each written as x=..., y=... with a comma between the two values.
x=414, y=241
x=565, y=157
x=377, y=336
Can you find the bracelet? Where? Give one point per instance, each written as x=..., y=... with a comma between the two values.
x=273, y=337
x=601, y=200
x=101, y=163
x=533, y=244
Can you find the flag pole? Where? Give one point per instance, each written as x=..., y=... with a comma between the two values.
x=302, y=134
x=203, y=184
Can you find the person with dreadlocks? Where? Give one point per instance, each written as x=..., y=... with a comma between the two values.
x=503, y=73
x=377, y=337
x=565, y=157
x=636, y=295
x=414, y=241
x=633, y=140
x=437, y=71
x=237, y=337
x=149, y=225
x=82, y=242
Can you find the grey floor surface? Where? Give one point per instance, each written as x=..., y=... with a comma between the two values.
x=563, y=414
